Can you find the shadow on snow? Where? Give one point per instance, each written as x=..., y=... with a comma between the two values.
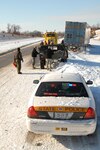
x=85, y=63
x=93, y=50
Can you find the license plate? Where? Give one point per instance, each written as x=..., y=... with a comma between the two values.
x=61, y=116
x=61, y=129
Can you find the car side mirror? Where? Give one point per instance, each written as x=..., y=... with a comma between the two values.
x=35, y=81
x=89, y=82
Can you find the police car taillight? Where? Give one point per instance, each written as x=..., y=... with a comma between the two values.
x=90, y=114
x=31, y=112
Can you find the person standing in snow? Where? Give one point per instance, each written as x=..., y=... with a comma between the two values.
x=18, y=58
x=34, y=55
x=49, y=58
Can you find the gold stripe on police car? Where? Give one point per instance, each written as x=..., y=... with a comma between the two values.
x=60, y=109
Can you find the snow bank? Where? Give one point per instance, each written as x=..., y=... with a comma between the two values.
x=6, y=46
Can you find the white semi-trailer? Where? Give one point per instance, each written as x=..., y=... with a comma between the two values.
x=77, y=34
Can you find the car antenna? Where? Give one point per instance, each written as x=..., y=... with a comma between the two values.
x=62, y=72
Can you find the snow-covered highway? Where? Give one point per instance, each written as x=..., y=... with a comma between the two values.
x=15, y=91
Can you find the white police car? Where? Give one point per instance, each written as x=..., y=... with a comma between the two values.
x=62, y=104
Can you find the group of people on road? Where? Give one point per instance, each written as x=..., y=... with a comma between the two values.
x=45, y=59
x=18, y=58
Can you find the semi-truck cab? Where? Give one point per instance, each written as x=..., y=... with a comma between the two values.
x=50, y=38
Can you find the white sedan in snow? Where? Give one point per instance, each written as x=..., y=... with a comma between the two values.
x=62, y=104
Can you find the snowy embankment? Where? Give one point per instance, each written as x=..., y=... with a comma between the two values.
x=6, y=46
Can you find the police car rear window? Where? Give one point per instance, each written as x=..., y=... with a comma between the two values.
x=61, y=89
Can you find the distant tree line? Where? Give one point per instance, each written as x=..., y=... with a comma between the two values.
x=33, y=33
x=16, y=29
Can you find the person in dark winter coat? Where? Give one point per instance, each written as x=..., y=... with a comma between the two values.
x=41, y=44
x=18, y=58
x=34, y=55
x=49, y=58
x=42, y=60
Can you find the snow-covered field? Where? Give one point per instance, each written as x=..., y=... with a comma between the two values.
x=15, y=91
